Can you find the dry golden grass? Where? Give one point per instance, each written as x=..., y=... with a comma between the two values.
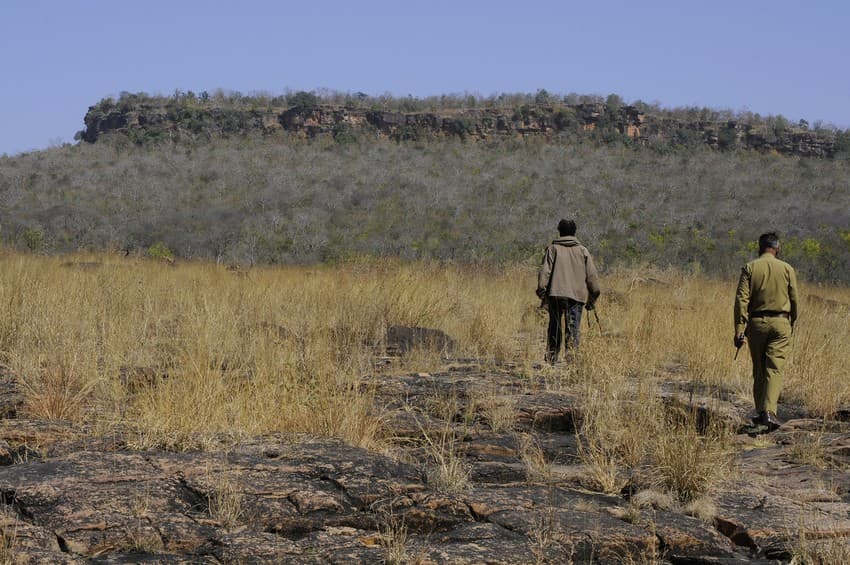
x=224, y=503
x=499, y=411
x=809, y=546
x=191, y=353
x=394, y=538
x=817, y=370
x=537, y=467
x=688, y=464
x=8, y=537
x=447, y=469
x=809, y=448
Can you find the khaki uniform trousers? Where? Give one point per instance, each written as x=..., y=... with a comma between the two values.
x=770, y=341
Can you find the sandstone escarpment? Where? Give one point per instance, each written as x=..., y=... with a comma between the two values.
x=166, y=119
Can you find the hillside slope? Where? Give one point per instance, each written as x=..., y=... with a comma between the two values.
x=320, y=192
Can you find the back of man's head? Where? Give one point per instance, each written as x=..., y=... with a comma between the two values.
x=768, y=241
x=566, y=227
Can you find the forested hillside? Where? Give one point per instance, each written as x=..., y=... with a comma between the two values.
x=249, y=196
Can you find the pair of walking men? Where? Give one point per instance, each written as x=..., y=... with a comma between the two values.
x=766, y=308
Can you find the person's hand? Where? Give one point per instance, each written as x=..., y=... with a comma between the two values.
x=590, y=305
x=541, y=293
x=739, y=341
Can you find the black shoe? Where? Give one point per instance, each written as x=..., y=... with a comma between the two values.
x=754, y=427
x=755, y=430
x=772, y=422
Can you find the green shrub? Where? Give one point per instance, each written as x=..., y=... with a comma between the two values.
x=33, y=239
x=304, y=99
x=160, y=251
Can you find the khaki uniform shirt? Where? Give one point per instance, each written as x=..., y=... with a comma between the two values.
x=766, y=285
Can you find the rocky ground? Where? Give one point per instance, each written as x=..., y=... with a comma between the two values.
x=70, y=496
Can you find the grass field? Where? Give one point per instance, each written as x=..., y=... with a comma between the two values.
x=182, y=354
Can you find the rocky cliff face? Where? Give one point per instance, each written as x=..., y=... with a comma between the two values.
x=624, y=123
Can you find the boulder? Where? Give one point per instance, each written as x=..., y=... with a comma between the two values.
x=401, y=339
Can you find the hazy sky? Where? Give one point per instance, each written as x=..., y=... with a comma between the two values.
x=58, y=57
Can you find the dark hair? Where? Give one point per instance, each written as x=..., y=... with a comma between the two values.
x=566, y=227
x=768, y=241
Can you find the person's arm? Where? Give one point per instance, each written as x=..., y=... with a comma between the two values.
x=545, y=273
x=792, y=294
x=592, y=280
x=742, y=300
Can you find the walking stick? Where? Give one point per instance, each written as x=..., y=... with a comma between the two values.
x=595, y=315
x=738, y=349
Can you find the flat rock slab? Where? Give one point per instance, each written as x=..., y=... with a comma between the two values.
x=780, y=499
x=299, y=500
x=303, y=500
x=73, y=498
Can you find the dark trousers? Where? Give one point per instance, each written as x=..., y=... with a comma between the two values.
x=564, y=325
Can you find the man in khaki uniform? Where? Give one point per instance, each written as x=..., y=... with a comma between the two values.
x=765, y=313
x=567, y=282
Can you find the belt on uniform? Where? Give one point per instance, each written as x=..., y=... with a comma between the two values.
x=769, y=314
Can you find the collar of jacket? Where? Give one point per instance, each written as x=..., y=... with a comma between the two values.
x=566, y=241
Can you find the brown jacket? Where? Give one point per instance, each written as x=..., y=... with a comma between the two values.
x=568, y=271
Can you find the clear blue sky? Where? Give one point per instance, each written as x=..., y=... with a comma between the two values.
x=58, y=57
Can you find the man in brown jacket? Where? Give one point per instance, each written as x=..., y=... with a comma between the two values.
x=765, y=312
x=567, y=282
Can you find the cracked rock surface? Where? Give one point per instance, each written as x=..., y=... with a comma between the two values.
x=71, y=498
